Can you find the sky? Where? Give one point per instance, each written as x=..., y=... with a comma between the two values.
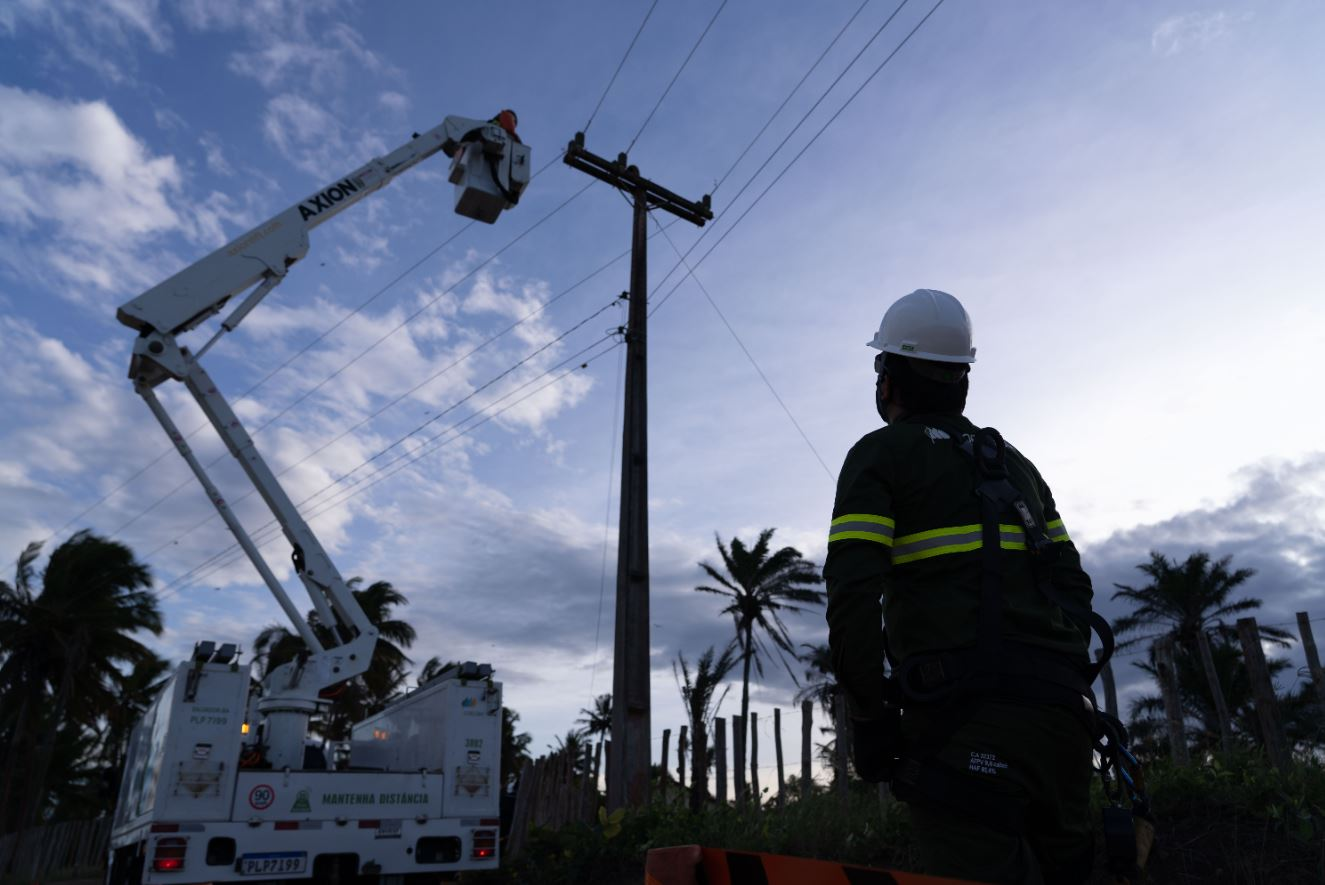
x=1126, y=196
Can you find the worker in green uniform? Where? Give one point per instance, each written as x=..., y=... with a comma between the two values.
x=949, y=538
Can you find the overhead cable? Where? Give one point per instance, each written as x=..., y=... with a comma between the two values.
x=675, y=76
x=801, y=152
x=620, y=65
x=745, y=350
x=485, y=415
x=132, y=479
x=786, y=138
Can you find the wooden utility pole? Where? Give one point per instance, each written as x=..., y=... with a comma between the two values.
x=738, y=760
x=1168, y=687
x=720, y=758
x=1262, y=692
x=807, y=724
x=662, y=785
x=628, y=767
x=1313, y=657
x=681, y=746
x=1216, y=692
x=777, y=746
x=754, y=760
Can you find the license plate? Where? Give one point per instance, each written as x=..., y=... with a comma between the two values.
x=388, y=829
x=278, y=862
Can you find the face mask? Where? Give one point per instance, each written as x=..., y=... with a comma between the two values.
x=879, y=402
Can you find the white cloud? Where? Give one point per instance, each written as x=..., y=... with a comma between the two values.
x=312, y=138
x=300, y=53
x=1193, y=30
x=394, y=101
x=210, y=143
x=98, y=35
x=82, y=198
x=72, y=174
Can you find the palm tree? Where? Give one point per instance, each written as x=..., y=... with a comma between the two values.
x=1183, y=599
x=573, y=745
x=63, y=647
x=379, y=684
x=820, y=681
x=134, y=692
x=760, y=588
x=432, y=668
x=598, y=721
x=514, y=747
x=698, y=696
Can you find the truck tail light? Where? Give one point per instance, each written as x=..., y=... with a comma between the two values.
x=484, y=845
x=168, y=855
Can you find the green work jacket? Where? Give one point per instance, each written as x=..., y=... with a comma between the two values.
x=904, y=551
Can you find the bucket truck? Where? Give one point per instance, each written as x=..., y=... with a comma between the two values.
x=220, y=784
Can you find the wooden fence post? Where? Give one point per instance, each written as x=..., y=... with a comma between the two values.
x=754, y=760
x=738, y=760
x=720, y=758
x=1168, y=686
x=1110, y=690
x=1313, y=657
x=840, y=741
x=777, y=744
x=667, y=740
x=807, y=728
x=1262, y=689
x=1216, y=692
x=681, y=747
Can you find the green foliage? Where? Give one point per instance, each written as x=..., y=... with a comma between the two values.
x=71, y=668
x=760, y=586
x=612, y=850
x=381, y=682
x=1236, y=818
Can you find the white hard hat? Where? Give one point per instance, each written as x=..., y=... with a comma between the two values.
x=927, y=325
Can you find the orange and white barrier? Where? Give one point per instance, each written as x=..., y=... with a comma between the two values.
x=692, y=865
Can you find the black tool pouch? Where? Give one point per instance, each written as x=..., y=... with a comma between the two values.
x=1120, y=842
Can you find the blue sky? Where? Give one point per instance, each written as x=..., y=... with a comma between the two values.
x=1125, y=195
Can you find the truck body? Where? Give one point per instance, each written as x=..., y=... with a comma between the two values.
x=417, y=797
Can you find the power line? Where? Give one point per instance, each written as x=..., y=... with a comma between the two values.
x=399, y=441
x=745, y=350
x=167, y=451
x=607, y=519
x=359, y=356
x=409, y=458
x=794, y=90
x=675, y=76
x=786, y=138
x=806, y=147
x=620, y=65
x=530, y=315
x=525, y=318
x=429, y=446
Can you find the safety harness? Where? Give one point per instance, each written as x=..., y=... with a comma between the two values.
x=952, y=684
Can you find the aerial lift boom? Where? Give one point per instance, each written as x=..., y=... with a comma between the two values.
x=490, y=168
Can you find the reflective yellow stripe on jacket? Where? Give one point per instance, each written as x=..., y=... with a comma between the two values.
x=963, y=539
x=862, y=527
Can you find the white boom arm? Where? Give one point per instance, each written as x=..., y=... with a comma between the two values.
x=490, y=168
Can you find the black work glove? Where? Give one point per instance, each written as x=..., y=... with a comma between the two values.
x=875, y=745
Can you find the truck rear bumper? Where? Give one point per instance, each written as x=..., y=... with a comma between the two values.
x=228, y=851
